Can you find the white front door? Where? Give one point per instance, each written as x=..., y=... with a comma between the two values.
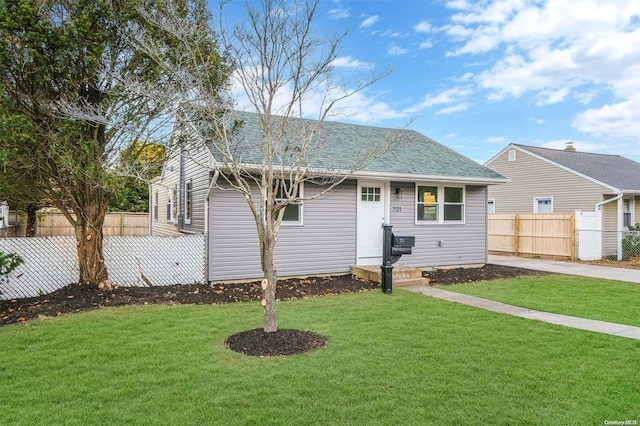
x=371, y=216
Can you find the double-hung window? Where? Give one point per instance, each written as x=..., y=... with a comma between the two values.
x=172, y=204
x=627, y=212
x=293, y=212
x=439, y=204
x=188, y=200
x=155, y=204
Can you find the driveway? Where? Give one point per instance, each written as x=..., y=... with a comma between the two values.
x=569, y=268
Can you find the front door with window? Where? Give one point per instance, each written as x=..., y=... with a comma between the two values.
x=371, y=216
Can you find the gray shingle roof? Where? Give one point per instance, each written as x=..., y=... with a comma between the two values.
x=613, y=170
x=412, y=154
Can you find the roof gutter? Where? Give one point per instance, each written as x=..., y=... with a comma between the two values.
x=610, y=200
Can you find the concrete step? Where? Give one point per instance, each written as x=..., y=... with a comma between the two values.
x=405, y=282
x=400, y=273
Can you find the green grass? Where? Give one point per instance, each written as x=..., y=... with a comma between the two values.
x=391, y=359
x=592, y=298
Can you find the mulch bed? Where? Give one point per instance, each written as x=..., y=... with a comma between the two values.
x=78, y=298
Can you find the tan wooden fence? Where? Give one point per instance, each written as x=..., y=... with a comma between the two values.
x=54, y=224
x=545, y=235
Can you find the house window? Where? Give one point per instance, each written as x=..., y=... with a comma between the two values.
x=370, y=194
x=627, y=212
x=155, y=204
x=439, y=204
x=543, y=205
x=293, y=212
x=188, y=200
x=172, y=204
x=491, y=206
x=512, y=155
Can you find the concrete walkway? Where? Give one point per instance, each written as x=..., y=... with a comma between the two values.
x=564, y=320
x=570, y=268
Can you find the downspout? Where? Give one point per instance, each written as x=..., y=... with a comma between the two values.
x=617, y=198
x=207, y=197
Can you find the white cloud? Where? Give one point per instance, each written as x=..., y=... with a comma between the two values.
x=423, y=27
x=369, y=21
x=497, y=139
x=444, y=97
x=453, y=109
x=361, y=107
x=339, y=13
x=556, y=50
x=349, y=62
x=397, y=51
x=426, y=44
x=548, y=97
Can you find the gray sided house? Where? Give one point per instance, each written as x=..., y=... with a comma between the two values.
x=418, y=186
x=542, y=180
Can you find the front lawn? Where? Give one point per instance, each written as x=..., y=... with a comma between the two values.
x=390, y=359
x=592, y=298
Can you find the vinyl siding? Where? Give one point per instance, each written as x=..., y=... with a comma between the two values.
x=464, y=243
x=162, y=226
x=532, y=177
x=637, y=210
x=195, y=168
x=325, y=243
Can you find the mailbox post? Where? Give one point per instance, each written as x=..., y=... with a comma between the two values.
x=393, y=247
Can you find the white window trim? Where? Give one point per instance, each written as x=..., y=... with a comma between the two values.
x=156, y=205
x=188, y=193
x=440, y=204
x=537, y=199
x=173, y=199
x=512, y=155
x=631, y=212
x=300, y=221
x=493, y=202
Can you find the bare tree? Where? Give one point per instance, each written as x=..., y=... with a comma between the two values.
x=279, y=66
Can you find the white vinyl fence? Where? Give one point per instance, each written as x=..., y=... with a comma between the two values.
x=51, y=263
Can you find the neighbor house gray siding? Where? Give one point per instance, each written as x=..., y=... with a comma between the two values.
x=464, y=243
x=531, y=177
x=325, y=243
x=189, y=166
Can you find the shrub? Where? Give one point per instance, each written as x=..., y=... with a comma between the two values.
x=8, y=262
x=631, y=242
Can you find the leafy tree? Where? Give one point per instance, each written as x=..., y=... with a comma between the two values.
x=278, y=63
x=66, y=64
x=139, y=163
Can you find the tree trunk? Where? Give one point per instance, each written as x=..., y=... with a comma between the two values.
x=32, y=220
x=88, y=230
x=269, y=288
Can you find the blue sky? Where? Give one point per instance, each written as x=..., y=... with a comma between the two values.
x=477, y=75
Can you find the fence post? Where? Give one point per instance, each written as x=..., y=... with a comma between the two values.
x=516, y=235
x=572, y=232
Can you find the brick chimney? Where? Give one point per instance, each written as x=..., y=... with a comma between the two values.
x=570, y=147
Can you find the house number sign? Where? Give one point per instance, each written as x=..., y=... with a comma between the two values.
x=396, y=209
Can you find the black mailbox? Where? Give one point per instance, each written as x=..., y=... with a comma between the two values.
x=403, y=240
x=394, y=246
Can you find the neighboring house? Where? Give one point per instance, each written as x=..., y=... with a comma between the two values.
x=542, y=180
x=418, y=186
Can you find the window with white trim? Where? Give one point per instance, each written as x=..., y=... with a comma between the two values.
x=172, y=204
x=188, y=200
x=156, y=206
x=491, y=206
x=439, y=204
x=627, y=212
x=512, y=155
x=293, y=212
x=543, y=205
